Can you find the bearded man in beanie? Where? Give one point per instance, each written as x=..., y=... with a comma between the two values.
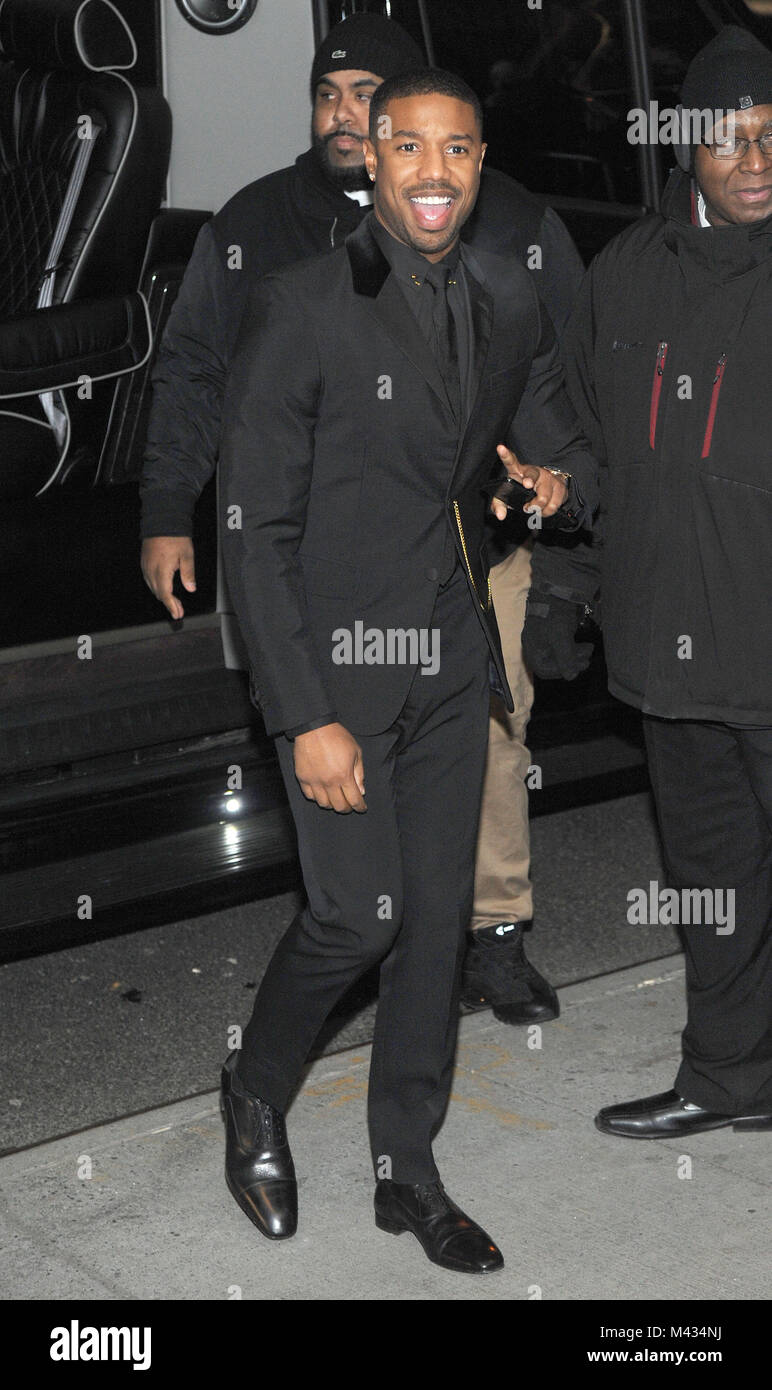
x=308, y=208
x=667, y=356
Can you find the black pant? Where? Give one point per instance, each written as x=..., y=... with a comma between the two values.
x=713, y=788
x=393, y=884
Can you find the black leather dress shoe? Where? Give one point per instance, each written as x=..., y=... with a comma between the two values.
x=258, y=1164
x=497, y=973
x=449, y=1237
x=667, y=1117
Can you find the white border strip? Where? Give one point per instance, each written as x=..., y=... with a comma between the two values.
x=79, y=46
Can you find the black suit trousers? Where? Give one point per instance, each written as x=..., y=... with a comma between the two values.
x=713, y=789
x=392, y=884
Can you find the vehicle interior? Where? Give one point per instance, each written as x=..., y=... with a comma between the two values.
x=124, y=125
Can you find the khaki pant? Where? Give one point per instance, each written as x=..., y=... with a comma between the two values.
x=502, y=885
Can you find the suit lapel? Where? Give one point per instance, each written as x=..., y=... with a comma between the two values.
x=481, y=307
x=395, y=315
x=372, y=279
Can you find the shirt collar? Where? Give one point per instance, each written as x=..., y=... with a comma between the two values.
x=363, y=196
x=405, y=261
x=702, y=211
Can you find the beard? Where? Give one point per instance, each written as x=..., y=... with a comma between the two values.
x=348, y=180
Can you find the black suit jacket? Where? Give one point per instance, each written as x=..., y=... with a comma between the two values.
x=342, y=468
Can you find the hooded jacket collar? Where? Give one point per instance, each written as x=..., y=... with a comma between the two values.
x=720, y=253
x=318, y=197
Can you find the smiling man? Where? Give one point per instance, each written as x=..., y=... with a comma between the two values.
x=372, y=394
x=668, y=362
x=424, y=213
x=284, y=217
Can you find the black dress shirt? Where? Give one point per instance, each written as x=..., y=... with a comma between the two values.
x=420, y=281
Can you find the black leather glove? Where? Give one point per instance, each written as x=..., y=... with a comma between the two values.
x=549, y=649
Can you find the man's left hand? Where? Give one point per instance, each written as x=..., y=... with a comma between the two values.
x=549, y=491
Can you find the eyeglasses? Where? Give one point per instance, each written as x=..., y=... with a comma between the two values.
x=731, y=147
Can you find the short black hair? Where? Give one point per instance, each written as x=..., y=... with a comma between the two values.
x=422, y=82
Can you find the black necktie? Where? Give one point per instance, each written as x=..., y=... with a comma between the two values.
x=444, y=335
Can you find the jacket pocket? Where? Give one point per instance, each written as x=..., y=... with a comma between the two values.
x=713, y=408
x=656, y=391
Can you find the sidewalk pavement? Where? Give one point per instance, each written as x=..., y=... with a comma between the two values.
x=578, y=1215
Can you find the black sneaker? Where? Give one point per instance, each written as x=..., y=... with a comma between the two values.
x=497, y=974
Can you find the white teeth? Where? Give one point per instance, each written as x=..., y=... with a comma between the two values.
x=431, y=201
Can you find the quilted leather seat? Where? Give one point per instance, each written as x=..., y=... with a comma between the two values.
x=83, y=162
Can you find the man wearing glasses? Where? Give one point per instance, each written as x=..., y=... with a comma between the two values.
x=667, y=356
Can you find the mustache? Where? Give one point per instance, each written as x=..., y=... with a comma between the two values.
x=349, y=134
x=435, y=189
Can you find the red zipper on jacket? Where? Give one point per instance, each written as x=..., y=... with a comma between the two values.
x=718, y=378
x=656, y=391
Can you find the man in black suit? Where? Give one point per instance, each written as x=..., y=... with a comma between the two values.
x=370, y=392
x=279, y=219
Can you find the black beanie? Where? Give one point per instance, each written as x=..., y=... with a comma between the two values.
x=369, y=42
x=731, y=73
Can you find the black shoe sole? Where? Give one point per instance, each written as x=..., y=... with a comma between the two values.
x=475, y=1003
x=544, y=1015
x=749, y=1122
x=393, y=1228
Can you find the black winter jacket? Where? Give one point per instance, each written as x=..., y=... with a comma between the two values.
x=667, y=358
x=274, y=222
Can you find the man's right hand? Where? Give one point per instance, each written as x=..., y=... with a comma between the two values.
x=329, y=768
x=161, y=557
